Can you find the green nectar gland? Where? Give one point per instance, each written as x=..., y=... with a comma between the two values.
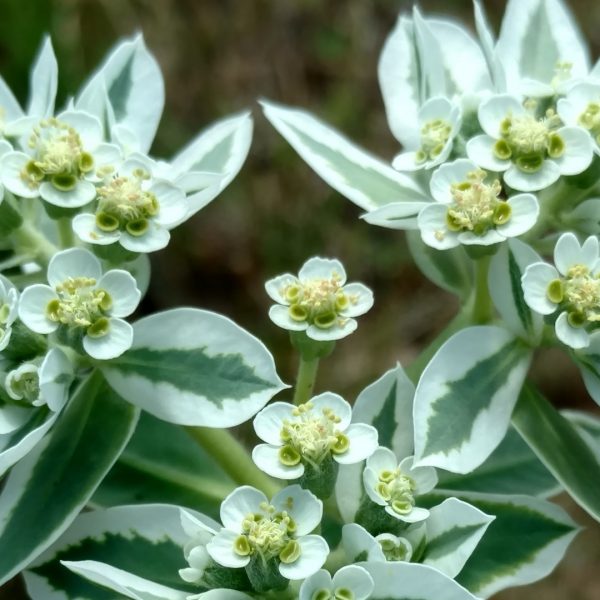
x=123, y=204
x=80, y=304
x=527, y=141
x=58, y=156
x=319, y=302
x=476, y=206
x=434, y=136
x=397, y=490
x=269, y=535
x=578, y=294
x=312, y=437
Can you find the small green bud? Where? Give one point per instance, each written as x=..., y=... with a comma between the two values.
x=556, y=146
x=576, y=319
x=325, y=320
x=341, y=445
x=86, y=162
x=298, y=312
x=502, y=150
x=106, y=222
x=531, y=163
x=137, y=228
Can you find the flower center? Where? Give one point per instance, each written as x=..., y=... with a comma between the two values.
x=476, y=206
x=562, y=73
x=318, y=301
x=434, y=136
x=590, y=120
x=312, y=436
x=397, y=490
x=124, y=204
x=5, y=309
x=269, y=535
x=528, y=141
x=579, y=294
x=23, y=383
x=395, y=549
x=58, y=156
x=81, y=304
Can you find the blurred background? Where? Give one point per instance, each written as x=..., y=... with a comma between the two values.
x=217, y=57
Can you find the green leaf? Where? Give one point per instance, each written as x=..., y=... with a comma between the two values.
x=588, y=426
x=588, y=361
x=162, y=463
x=48, y=488
x=504, y=282
x=145, y=541
x=524, y=543
x=465, y=397
x=362, y=178
x=559, y=446
x=452, y=269
x=512, y=468
x=194, y=367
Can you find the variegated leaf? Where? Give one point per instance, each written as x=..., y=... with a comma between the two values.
x=512, y=468
x=524, y=543
x=131, y=80
x=559, y=446
x=454, y=528
x=162, y=463
x=412, y=581
x=465, y=397
x=504, y=282
x=362, y=178
x=48, y=488
x=219, y=151
x=194, y=367
x=136, y=547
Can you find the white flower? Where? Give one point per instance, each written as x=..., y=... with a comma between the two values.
x=195, y=549
x=42, y=383
x=395, y=486
x=356, y=540
x=469, y=209
x=133, y=208
x=9, y=298
x=24, y=420
x=82, y=300
x=349, y=583
x=572, y=287
x=581, y=108
x=63, y=158
x=439, y=123
x=255, y=529
x=298, y=436
x=532, y=150
x=317, y=301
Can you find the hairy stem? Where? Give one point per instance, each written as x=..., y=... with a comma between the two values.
x=65, y=232
x=233, y=457
x=305, y=382
x=483, y=310
x=28, y=240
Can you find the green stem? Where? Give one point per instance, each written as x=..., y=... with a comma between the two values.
x=482, y=305
x=28, y=240
x=65, y=232
x=305, y=383
x=336, y=560
x=233, y=457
